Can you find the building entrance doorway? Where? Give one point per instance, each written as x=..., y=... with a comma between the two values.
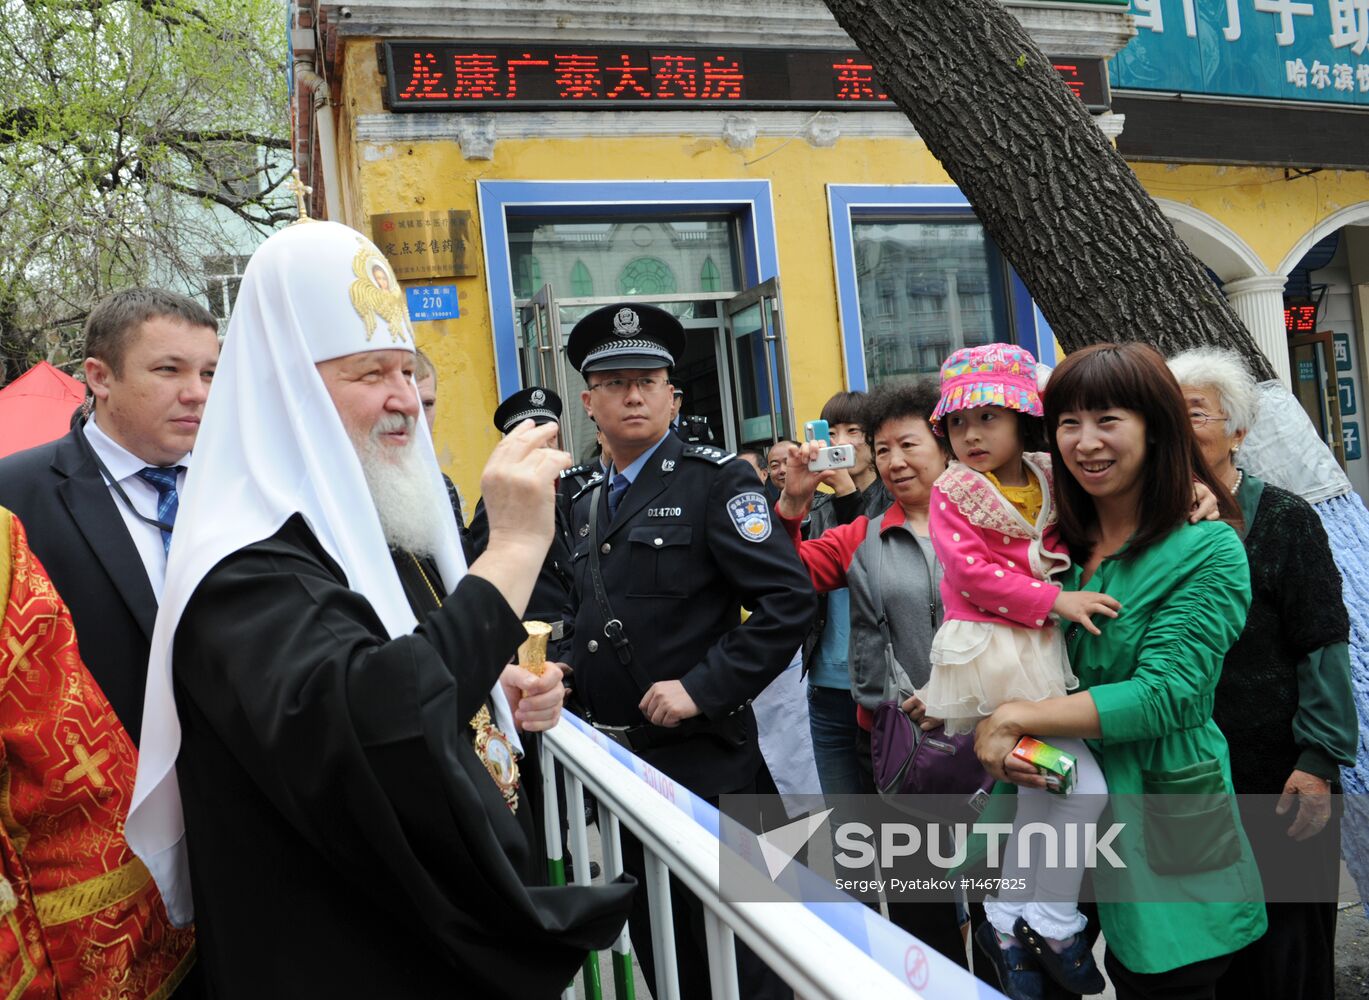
x=1312, y=360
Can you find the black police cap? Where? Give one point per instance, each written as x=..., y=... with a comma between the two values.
x=626, y=335
x=542, y=405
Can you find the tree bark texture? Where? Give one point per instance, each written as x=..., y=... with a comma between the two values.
x=1062, y=205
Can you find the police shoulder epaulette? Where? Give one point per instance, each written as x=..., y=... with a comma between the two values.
x=579, y=470
x=594, y=481
x=708, y=453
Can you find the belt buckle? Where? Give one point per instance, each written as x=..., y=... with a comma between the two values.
x=618, y=734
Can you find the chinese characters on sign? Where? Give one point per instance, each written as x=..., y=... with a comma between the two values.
x=1341, y=343
x=444, y=75
x=1313, y=50
x=432, y=302
x=425, y=244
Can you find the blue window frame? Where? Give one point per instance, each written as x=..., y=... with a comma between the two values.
x=852, y=204
x=747, y=201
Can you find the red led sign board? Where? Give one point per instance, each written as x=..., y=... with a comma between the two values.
x=446, y=76
x=1300, y=318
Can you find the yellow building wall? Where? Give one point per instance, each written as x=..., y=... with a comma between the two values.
x=1268, y=211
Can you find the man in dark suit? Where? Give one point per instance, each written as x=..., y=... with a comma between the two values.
x=99, y=503
x=680, y=538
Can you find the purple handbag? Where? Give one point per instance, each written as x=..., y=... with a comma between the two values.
x=907, y=760
x=910, y=761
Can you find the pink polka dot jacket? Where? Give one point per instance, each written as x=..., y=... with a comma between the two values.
x=997, y=565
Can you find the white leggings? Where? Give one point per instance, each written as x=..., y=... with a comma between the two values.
x=1050, y=900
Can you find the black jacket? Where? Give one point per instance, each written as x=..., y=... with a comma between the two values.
x=692, y=543
x=552, y=590
x=344, y=839
x=77, y=532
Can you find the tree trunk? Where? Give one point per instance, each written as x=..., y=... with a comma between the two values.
x=1062, y=205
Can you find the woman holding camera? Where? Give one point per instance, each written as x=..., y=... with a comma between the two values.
x=908, y=458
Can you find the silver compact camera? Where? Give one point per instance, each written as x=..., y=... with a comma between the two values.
x=832, y=456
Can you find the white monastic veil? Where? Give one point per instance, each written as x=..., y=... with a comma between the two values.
x=272, y=445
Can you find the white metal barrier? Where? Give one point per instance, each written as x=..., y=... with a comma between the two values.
x=804, y=950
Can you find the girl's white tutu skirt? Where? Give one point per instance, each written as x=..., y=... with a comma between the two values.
x=977, y=666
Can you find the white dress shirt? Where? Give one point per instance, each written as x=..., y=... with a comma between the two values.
x=124, y=467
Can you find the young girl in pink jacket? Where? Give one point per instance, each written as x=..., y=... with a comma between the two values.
x=993, y=526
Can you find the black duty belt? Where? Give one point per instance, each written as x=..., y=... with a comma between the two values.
x=731, y=731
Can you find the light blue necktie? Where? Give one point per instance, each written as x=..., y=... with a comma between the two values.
x=163, y=480
x=615, y=493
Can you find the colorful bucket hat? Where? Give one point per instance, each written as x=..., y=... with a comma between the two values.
x=988, y=375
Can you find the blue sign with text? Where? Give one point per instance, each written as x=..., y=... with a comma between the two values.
x=1348, y=404
x=1349, y=432
x=1341, y=342
x=1298, y=50
x=430, y=302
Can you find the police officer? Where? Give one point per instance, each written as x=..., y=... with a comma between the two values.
x=670, y=545
x=549, y=597
x=693, y=429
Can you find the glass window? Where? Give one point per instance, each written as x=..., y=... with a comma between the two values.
x=529, y=278
x=647, y=276
x=581, y=282
x=223, y=275
x=709, y=279
x=637, y=256
x=926, y=289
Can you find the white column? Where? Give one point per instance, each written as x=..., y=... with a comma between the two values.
x=1258, y=302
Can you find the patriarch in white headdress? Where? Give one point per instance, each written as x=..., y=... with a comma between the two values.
x=273, y=445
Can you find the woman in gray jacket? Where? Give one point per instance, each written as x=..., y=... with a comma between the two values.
x=909, y=458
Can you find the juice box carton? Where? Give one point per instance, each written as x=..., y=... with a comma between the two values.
x=1058, y=766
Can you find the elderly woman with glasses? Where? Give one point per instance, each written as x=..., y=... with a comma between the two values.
x=1284, y=700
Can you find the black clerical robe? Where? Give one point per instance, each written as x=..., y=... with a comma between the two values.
x=344, y=838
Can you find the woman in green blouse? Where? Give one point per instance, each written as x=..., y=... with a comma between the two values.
x=1126, y=458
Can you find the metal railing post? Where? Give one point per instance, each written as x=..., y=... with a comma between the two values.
x=610, y=836
x=551, y=826
x=722, y=958
x=662, y=927
x=579, y=857
x=551, y=819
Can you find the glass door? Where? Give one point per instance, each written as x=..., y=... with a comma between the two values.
x=1314, y=385
x=540, y=341
x=760, y=366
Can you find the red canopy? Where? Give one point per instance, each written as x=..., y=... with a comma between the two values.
x=36, y=407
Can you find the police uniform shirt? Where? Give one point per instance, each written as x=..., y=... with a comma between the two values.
x=634, y=469
x=692, y=541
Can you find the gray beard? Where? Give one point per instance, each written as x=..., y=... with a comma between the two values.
x=401, y=489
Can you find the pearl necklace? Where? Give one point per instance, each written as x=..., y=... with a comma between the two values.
x=1240, y=475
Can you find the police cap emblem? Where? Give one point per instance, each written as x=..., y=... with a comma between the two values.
x=750, y=515
x=626, y=323
x=538, y=397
